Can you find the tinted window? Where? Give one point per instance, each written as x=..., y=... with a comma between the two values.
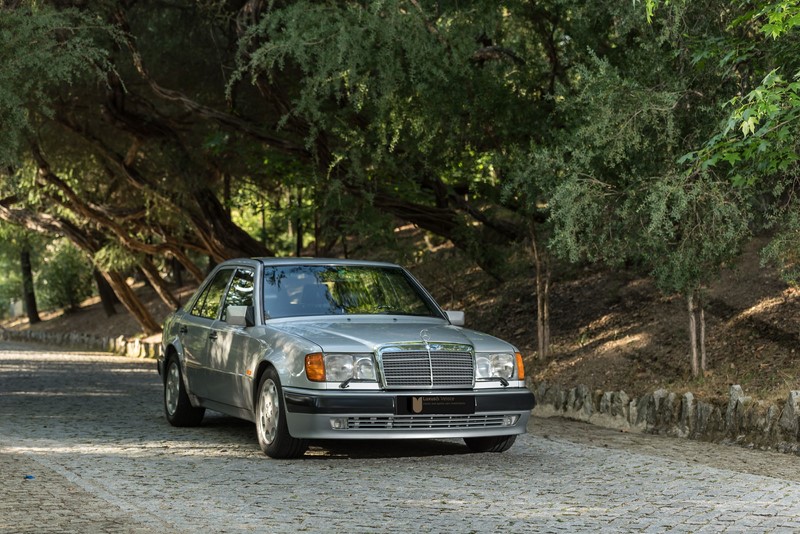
x=240, y=292
x=291, y=291
x=208, y=304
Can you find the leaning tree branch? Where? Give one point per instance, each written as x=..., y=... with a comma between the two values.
x=89, y=211
x=207, y=112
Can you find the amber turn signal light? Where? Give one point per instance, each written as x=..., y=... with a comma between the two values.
x=520, y=367
x=315, y=367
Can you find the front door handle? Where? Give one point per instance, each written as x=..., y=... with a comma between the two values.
x=183, y=329
x=212, y=335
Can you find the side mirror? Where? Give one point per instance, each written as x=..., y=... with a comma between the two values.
x=241, y=316
x=456, y=318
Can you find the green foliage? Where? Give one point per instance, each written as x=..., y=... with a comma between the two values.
x=348, y=118
x=756, y=143
x=10, y=283
x=622, y=136
x=65, y=277
x=41, y=48
x=393, y=87
x=694, y=225
x=621, y=195
x=113, y=257
x=783, y=250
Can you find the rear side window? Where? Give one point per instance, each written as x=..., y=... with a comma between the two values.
x=240, y=292
x=208, y=304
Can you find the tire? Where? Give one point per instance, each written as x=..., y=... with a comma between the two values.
x=490, y=443
x=271, y=428
x=177, y=407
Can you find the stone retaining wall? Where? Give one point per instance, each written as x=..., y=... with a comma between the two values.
x=121, y=345
x=741, y=420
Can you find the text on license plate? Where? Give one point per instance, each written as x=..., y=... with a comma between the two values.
x=435, y=404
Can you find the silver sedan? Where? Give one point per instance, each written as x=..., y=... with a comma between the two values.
x=337, y=349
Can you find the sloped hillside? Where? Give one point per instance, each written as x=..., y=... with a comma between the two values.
x=614, y=330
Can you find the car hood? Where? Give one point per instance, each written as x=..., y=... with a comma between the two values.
x=367, y=335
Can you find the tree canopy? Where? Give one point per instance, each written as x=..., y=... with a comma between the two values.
x=659, y=135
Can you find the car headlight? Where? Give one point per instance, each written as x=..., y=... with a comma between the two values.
x=364, y=368
x=489, y=366
x=339, y=367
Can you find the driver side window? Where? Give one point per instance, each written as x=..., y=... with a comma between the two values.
x=240, y=292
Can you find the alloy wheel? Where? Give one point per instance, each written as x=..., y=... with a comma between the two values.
x=268, y=411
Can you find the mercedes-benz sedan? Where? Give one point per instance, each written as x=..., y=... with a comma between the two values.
x=336, y=349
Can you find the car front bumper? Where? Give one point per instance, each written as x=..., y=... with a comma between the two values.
x=313, y=414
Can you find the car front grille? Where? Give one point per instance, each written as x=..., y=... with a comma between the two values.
x=428, y=369
x=424, y=422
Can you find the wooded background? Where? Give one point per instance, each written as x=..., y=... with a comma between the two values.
x=160, y=136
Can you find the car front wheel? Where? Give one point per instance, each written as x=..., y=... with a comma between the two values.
x=177, y=407
x=490, y=443
x=271, y=427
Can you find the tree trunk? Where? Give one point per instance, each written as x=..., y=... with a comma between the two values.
x=316, y=232
x=226, y=193
x=132, y=303
x=151, y=273
x=102, y=219
x=693, y=333
x=107, y=297
x=298, y=225
x=28, y=293
x=177, y=271
x=222, y=238
x=542, y=263
x=263, y=225
x=703, y=361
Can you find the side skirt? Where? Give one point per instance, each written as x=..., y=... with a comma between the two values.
x=227, y=409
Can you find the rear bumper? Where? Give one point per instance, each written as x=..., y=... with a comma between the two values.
x=378, y=415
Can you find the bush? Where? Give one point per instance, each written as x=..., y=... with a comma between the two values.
x=65, y=277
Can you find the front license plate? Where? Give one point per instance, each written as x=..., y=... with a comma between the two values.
x=435, y=404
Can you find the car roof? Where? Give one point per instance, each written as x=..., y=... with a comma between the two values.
x=276, y=262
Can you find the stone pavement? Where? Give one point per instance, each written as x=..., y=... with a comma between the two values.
x=89, y=428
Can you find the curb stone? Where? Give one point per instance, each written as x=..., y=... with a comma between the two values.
x=132, y=347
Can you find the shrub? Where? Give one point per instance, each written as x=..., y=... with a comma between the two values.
x=65, y=277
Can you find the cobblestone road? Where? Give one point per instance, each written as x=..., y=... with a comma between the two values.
x=89, y=429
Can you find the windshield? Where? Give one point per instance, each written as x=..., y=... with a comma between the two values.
x=302, y=290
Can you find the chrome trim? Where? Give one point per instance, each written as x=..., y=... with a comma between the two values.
x=425, y=422
x=435, y=381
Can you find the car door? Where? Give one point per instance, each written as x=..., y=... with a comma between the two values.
x=231, y=347
x=196, y=333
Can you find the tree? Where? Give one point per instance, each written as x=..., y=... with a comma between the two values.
x=21, y=247
x=29, y=295
x=613, y=183
x=171, y=131
x=755, y=144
